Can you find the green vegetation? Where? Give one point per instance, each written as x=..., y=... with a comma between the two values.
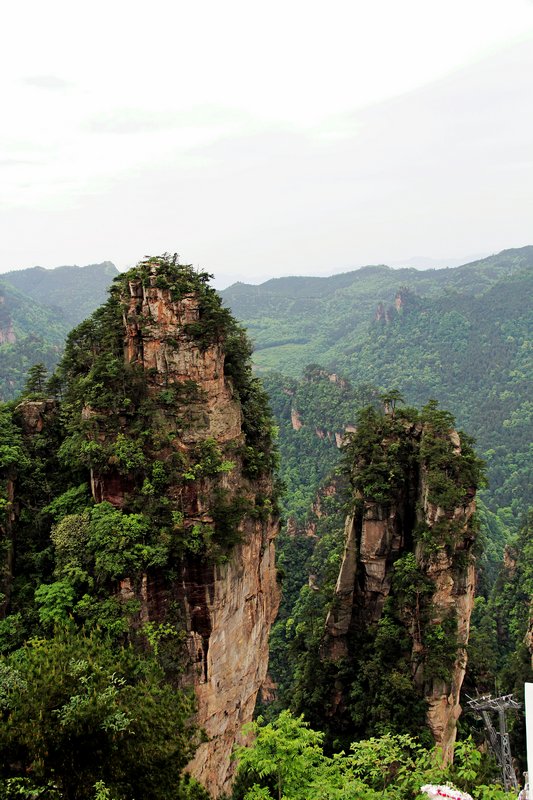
x=113, y=485
x=384, y=461
x=462, y=336
x=37, y=309
x=77, y=711
x=499, y=659
x=287, y=761
x=323, y=405
x=89, y=693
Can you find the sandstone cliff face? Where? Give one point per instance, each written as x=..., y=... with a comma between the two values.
x=34, y=415
x=229, y=664
x=453, y=573
x=376, y=536
x=156, y=338
x=227, y=607
x=529, y=634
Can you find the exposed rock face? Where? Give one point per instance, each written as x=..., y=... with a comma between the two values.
x=376, y=536
x=454, y=579
x=529, y=634
x=230, y=659
x=7, y=334
x=296, y=420
x=227, y=606
x=382, y=314
x=156, y=338
x=35, y=414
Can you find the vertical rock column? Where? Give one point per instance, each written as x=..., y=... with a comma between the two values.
x=376, y=536
x=228, y=607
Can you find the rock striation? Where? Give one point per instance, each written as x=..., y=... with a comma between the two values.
x=227, y=598
x=434, y=541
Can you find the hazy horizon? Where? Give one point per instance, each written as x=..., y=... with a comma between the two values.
x=419, y=263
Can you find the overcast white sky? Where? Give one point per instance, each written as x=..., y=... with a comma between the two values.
x=264, y=139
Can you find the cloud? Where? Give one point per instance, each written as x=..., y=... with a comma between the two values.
x=143, y=120
x=16, y=162
x=51, y=82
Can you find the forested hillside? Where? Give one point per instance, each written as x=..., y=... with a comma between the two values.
x=109, y=448
x=136, y=503
x=461, y=336
x=38, y=307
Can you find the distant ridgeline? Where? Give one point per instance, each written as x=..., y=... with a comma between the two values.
x=461, y=336
x=138, y=496
x=38, y=307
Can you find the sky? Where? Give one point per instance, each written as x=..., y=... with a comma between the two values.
x=265, y=139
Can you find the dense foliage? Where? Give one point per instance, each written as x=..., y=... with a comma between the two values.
x=37, y=309
x=90, y=692
x=383, y=461
x=76, y=710
x=80, y=675
x=462, y=336
x=287, y=762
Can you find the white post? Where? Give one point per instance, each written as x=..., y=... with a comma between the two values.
x=529, y=731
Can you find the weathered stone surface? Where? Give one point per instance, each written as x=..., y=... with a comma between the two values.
x=296, y=420
x=227, y=609
x=241, y=610
x=7, y=333
x=34, y=414
x=157, y=340
x=529, y=634
x=454, y=594
x=340, y=617
x=375, y=537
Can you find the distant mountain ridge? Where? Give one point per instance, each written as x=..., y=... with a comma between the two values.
x=472, y=277
x=460, y=335
x=77, y=291
x=38, y=307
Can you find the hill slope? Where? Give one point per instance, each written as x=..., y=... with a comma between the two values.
x=462, y=336
x=38, y=307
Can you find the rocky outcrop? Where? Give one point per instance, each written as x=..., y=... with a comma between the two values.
x=383, y=314
x=452, y=571
x=227, y=603
x=404, y=301
x=157, y=339
x=7, y=334
x=296, y=420
x=229, y=657
x=34, y=415
x=377, y=535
